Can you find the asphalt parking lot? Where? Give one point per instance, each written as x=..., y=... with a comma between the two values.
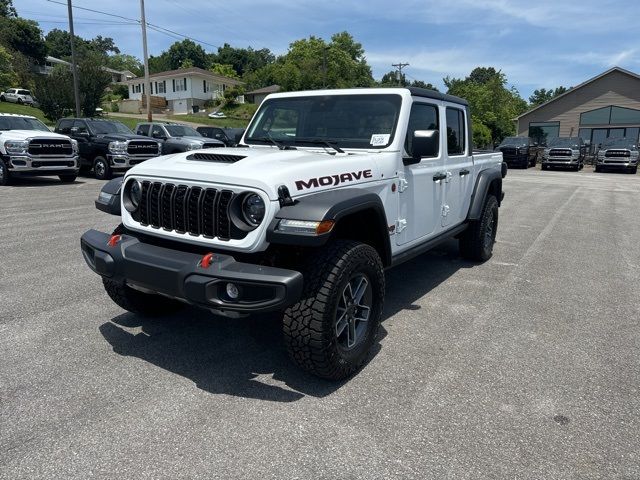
x=527, y=366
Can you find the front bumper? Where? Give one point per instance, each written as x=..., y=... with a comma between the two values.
x=617, y=164
x=561, y=161
x=180, y=275
x=517, y=159
x=124, y=161
x=42, y=166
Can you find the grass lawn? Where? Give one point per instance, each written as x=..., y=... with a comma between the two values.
x=238, y=116
x=6, y=107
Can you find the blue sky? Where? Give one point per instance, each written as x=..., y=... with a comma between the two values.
x=536, y=44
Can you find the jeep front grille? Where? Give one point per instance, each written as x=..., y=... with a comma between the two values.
x=50, y=147
x=143, y=147
x=182, y=209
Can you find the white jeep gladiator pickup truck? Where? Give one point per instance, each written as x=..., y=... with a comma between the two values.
x=327, y=189
x=29, y=148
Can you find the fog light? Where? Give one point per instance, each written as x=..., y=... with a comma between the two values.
x=232, y=291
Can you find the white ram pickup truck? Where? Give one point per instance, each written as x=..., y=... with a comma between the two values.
x=326, y=191
x=29, y=148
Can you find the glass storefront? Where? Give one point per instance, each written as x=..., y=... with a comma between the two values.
x=542, y=132
x=618, y=121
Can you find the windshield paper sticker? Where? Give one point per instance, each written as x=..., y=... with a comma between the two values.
x=379, y=139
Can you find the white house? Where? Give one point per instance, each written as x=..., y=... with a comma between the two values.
x=182, y=88
x=50, y=62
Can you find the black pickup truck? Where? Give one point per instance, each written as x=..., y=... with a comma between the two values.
x=519, y=151
x=107, y=146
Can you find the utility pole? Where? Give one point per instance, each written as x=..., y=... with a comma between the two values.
x=147, y=83
x=74, y=65
x=400, y=66
x=324, y=66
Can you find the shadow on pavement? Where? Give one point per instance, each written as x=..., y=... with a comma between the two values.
x=246, y=357
x=17, y=181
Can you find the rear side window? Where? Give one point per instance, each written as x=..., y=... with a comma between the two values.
x=24, y=92
x=143, y=130
x=455, y=131
x=423, y=117
x=81, y=126
x=65, y=126
x=157, y=131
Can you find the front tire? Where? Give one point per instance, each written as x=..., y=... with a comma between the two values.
x=5, y=175
x=476, y=243
x=330, y=331
x=68, y=178
x=597, y=169
x=101, y=168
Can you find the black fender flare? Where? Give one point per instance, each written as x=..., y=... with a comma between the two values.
x=483, y=183
x=329, y=205
x=109, y=198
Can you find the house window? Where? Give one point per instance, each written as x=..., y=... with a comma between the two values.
x=161, y=87
x=542, y=132
x=179, y=84
x=137, y=88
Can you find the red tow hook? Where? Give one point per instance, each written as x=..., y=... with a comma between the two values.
x=113, y=241
x=206, y=260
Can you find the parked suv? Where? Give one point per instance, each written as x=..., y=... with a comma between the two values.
x=229, y=136
x=329, y=188
x=107, y=146
x=29, y=148
x=567, y=152
x=618, y=154
x=519, y=151
x=176, y=137
x=17, y=95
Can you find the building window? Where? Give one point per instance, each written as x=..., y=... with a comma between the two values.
x=179, y=84
x=597, y=135
x=611, y=115
x=455, y=131
x=542, y=132
x=161, y=87
x=138, y=88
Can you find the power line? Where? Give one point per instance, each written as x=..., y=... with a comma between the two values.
x=152, y=26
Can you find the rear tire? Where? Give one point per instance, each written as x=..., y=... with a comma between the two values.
x=5, y=175
x=476, y=243
x=2, y=99
x=330, y=331
x=20, y=102
x=67, y=178
x=101, y=168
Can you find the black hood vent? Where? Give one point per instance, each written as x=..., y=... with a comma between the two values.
x=215, y=157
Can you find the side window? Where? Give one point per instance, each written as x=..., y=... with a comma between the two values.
x=80, y=126
x=422, y=117
x=157, y=131
x=64, y=127
x=455, y=131
x=143, y=130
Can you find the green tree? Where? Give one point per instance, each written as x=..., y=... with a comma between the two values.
x=161, y=63
x=92, y=82
x=180, y=52
x=242, y=60
x=421, y=84
x=103, y=45
x=8, y=77
x=7, y=9
x=23, y=36
x=224, y=70
x=492, y=103
x=122, y=61
x=393, y=79
x=311, y=63
x=543, y=95
x=55, y=92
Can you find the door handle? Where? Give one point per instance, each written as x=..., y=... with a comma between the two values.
x=439, y=176
x=464, y=172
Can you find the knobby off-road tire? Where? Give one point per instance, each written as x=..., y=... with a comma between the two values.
x=324, y=332
x=134, y=301
x=476, y=243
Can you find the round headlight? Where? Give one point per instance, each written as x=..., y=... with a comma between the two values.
x=132, y=195
x=253, y=209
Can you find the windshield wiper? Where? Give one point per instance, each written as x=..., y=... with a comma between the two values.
x=269, y=138
x=320, y=141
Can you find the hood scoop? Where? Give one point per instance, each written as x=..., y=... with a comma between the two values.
x=215, y=157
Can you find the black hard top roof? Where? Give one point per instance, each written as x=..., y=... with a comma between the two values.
x=424, y=92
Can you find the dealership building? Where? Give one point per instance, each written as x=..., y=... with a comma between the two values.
x=606, y=106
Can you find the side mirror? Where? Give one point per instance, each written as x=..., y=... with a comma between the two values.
x=426, y=143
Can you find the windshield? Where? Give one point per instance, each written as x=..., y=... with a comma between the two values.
x=100, y=127
x=21, y=123
x=515, y=141
x=566, y=142
x=347, y=121
x=619, y=143
x=181, y=131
